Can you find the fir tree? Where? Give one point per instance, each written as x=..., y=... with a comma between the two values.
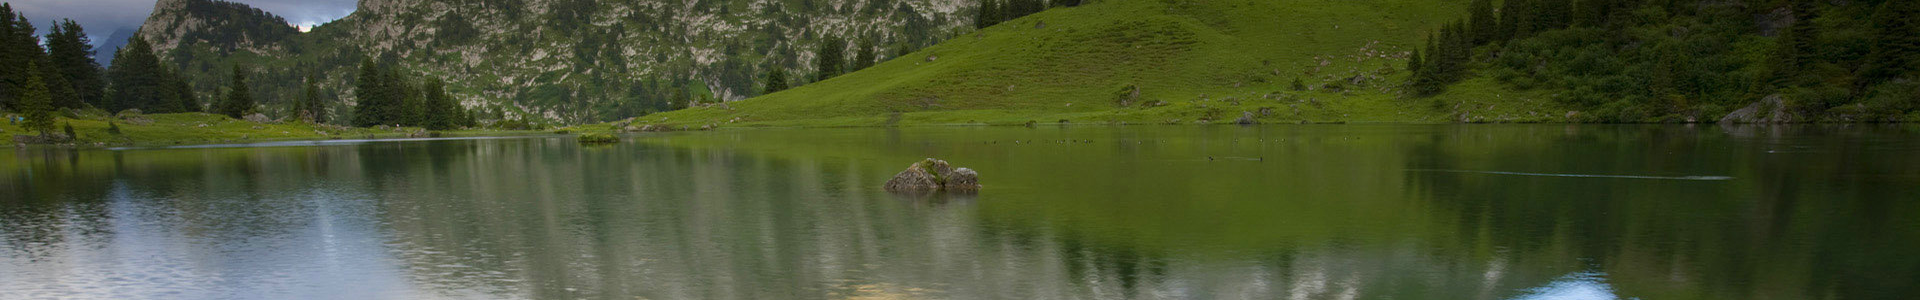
x=35, y=103
x=18, y=48
x=310, y=104
x=372, y=106
x=776, y=80
x=864, y=57
x=71, y=52
x=1896, y=41
x=239, y=101
x=1483, y=22
x=1513, y=20
x=443, y=113
x=830, y=60
x=135, y=80
x=987, y=15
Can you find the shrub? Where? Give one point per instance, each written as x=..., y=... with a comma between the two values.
x=598, y=139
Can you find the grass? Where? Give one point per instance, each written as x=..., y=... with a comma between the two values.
x=203, y=128
x=1194, y=61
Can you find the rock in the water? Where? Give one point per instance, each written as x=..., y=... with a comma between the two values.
x=962, y=179
x=934, y=175
x=1772, y=109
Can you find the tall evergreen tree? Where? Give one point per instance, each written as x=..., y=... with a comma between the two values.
x=71, y=53
x=310, y=106
x=1482, y=21
x=830, y=60
x=864, y=57
x=239, y=100
x=1896, y=41
x=35, y=103
x=776, y=80
x=373, y=105
x=987, y=15
x=1513, y=20
x=443, y=113
x=18, y=48
x=136, y=80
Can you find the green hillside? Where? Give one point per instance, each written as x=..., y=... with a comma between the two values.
x=1192, y=61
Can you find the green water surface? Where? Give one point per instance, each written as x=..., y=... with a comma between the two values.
x=1134, y=212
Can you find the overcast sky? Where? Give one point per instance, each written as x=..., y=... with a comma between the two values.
x=102, y=17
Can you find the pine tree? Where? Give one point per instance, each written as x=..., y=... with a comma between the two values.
x=1413, y=62
x=1513, y=24
x=987, y=14
x=239, y=100
x=864, y=57
x=71, y=52
x=830, y=60
x=443, y=113
x=371, y=106
x=776, y=80
x=35, y=103
x=1483, y=22
x=1896, y=41
x=311, y=106
x=135, y=80
x=18, y=48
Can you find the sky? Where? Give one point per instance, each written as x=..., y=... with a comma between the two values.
x=101, y=18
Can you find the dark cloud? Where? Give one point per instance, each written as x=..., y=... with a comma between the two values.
x=103, y=17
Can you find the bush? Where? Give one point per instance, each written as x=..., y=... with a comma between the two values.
x=598, y=139
x=113, y=128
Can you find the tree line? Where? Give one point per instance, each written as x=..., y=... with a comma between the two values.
x=1655, y=60
x=387, y=96
x=831, y=58
x=37, y=81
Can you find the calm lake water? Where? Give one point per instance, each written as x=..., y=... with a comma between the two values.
x=1137, y=212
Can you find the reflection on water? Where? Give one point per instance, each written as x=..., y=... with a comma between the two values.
x=1317, y=212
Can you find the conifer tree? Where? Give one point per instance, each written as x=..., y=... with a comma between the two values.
x=310, y=104
x=1513, y=24
x=135, y=80
x=443, y=113
x=239, y=100
x=371, y=106
x=864, y=57
x=35, y=103
x=1896, y=41
x=18, y=48
x=1483, y=22
x=776, y=80
x=830, y=60
x=987, y=15
x=71, y=53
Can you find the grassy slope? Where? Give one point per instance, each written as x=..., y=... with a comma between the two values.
x=1208, y=60
x=184, y=128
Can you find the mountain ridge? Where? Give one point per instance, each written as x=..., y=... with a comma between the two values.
x=557, y=60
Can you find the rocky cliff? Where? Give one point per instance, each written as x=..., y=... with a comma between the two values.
x=563, y=60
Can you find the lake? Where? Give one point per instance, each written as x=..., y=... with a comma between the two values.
x=1093, y=212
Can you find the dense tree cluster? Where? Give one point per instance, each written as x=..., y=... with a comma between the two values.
x=19, y=48
x=993, y=12
x=1646, y=60
x=138, y=80
x=831, y=59
x=386, y=96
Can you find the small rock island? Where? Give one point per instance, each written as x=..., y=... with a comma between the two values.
x=934, y=175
